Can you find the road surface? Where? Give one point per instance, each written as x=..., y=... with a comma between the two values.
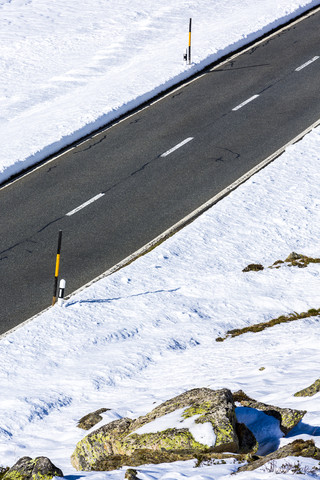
x=115, y=192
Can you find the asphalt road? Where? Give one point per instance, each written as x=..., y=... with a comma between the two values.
x=147, y=172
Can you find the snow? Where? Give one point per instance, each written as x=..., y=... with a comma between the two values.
x=147, y=333
x=201, y=432
x=69, y=68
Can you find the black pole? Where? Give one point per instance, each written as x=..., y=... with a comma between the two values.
x=189, y=47
x=56, y=273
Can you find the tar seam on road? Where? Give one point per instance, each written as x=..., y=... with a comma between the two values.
x=245, y=102
x=306, y=64
x=165, y=154
x=85, y=204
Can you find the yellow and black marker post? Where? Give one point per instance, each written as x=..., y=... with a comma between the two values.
x=56, y=273
x=189, y=46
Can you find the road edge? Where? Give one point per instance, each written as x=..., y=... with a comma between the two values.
x=177, y=226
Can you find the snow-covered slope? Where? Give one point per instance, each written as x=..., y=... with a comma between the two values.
x=147, y=332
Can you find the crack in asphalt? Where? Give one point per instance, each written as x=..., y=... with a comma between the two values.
x=28, y=239
x=50, y=223
x=236, y=154
x=90, y=146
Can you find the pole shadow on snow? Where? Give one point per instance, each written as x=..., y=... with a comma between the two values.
x=109, y=300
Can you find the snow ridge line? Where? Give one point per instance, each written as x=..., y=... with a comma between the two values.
x=178, y=226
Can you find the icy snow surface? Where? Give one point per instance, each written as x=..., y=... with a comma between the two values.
x=68, y=67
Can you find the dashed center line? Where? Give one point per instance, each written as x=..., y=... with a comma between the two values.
x=93, y=199
x=187, y=140
x=176, y=147
x=306, y=64
x=245, y=103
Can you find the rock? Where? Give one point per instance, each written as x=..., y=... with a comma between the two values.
x=118, y=443
x=298, y=448
x=287, y=417
x=293, y=257
x=131, y=474
x=253, y=267
x=3, y=471
x=41, y=468
x=309, y=391
x=90, y=420
x=247, y=441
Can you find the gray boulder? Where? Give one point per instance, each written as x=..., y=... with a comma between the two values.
x=90, y=420
x=41, y=468
x=120, y=443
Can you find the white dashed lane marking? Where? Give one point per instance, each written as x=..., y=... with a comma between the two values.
x=306, y=64
x=245, y=102
x=187, y=140
x=165, y=154
x=83, y=205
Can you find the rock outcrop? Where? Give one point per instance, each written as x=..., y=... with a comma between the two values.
x=309, y=391
x=200, y=423
x=40, y=468
x=131, y=474
x=287, y=417
x=298, y=448
x=90, y=420
x=253, y=267
x=125, y=442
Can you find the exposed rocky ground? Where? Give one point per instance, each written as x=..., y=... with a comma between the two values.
x=199, y=412
x=120, y=442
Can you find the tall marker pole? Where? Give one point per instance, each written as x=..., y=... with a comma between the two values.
x=189, y=47
x=56, y=273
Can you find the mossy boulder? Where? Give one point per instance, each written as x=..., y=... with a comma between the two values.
x=298, y=448
x=40, y=468
x=287, y=417
x=3, y=471
x=125, y=442
x=91, y=419
x=309, y=391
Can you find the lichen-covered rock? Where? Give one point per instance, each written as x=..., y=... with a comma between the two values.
x=298, y=448
x=309, y=391
x=253, y=267
x=90, y=420
x=41, y=468
x=120, y=443
x=3, y=471
x=131, y=474
x=287, y=417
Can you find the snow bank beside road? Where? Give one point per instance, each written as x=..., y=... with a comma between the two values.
x=68, y=69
